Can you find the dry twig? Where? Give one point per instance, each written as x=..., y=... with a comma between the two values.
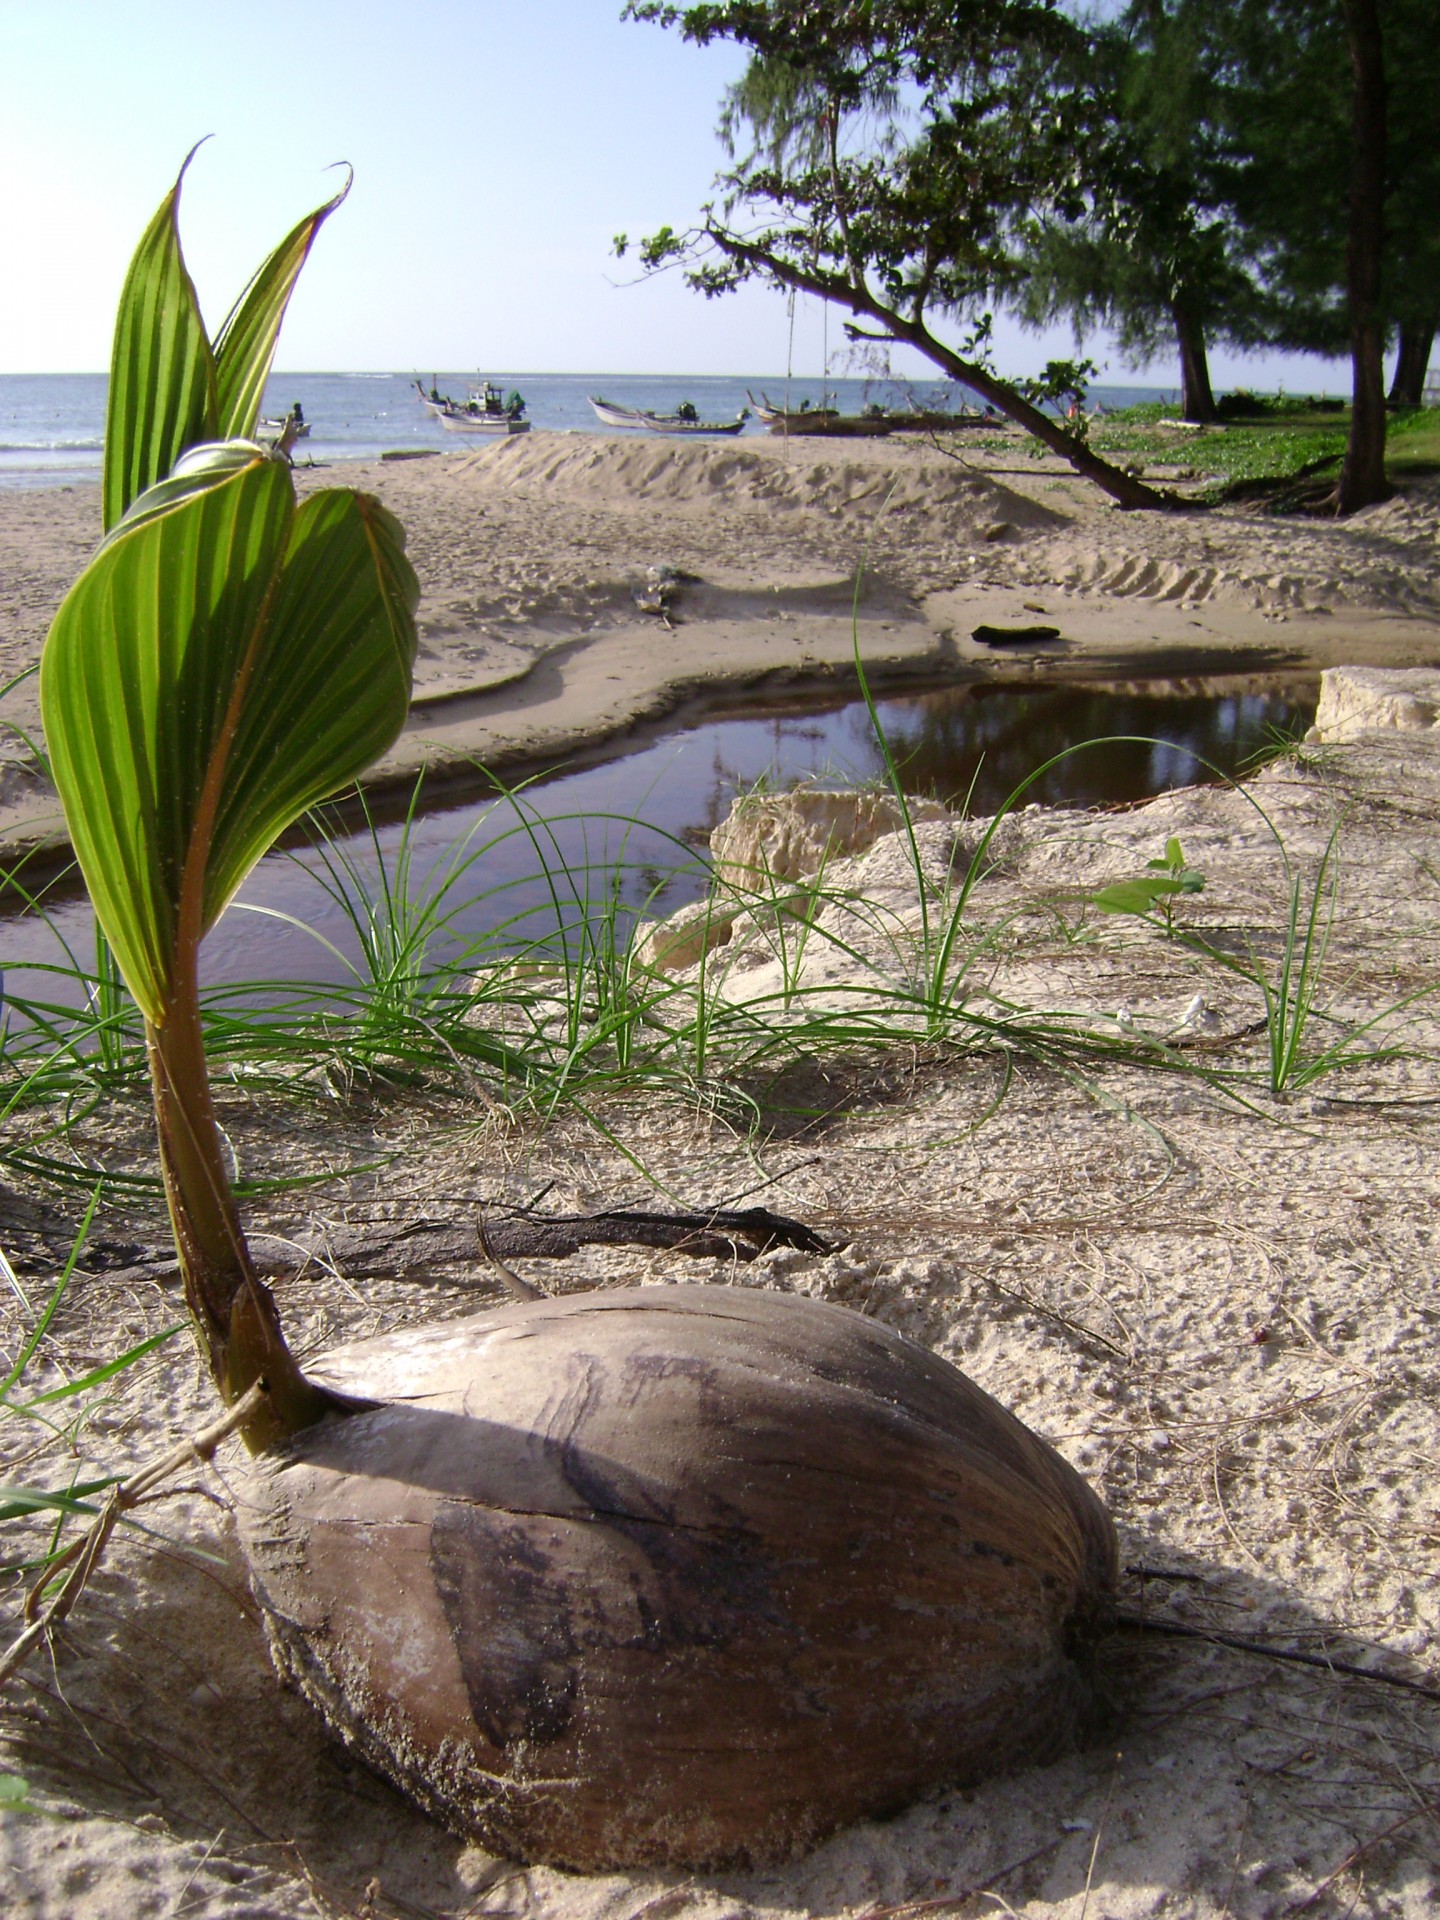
x=84, y=1555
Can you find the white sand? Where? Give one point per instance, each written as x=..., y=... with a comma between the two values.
x=1223, y=1312
x=530, y=553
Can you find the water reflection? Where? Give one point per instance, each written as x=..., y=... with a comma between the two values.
x=630, y=833
x=996, y=736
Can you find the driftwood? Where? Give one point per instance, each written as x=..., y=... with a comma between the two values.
x=409, y=1248
x=1014, y=636
x=676, y=1575
x=722, y=1233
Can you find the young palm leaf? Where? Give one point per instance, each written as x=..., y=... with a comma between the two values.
x=170, y=386
x=227, y=659
x=575, y=1530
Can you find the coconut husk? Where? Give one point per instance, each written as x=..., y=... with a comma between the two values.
x=678, y=1575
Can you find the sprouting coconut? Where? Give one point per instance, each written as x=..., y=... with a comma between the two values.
x=679, y=1575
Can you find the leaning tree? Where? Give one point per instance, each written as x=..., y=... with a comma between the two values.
x=901, y=152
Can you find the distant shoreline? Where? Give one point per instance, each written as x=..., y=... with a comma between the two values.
x=52, y=425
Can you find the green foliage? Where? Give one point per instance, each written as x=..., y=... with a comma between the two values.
x=1162, y=883
x=898, y=150
x=1064, y=384
x=170, y=387
x=177, y=763
x=1283, y=114
x=15, y=1796
x=1148, y=249
x=1284, y=438
x=61, y=1412
x=228, y=658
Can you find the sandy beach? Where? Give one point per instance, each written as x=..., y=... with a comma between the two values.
x=531, y=554
x=1218, y=1300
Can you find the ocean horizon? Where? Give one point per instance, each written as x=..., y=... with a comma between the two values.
x=52, y=424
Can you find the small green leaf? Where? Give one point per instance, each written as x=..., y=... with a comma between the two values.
x=1136, y=896
x=15, y=1794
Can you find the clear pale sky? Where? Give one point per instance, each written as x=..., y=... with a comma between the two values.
x=498, y=145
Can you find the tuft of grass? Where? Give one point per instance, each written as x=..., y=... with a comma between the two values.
x=550, y=1003
x=1304, y=1040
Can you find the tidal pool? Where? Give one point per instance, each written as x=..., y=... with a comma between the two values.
x=629, y=835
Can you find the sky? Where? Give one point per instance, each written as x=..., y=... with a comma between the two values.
x=498, y=146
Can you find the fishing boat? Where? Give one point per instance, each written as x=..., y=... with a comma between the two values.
x=827, y=420
x=275, y=424
x=484, y=411
x=939, y=421
x=818, y=420
x=684, y=419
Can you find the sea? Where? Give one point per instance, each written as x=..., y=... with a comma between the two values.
x=52, y=424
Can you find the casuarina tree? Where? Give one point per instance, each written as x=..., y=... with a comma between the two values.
x=902, y=150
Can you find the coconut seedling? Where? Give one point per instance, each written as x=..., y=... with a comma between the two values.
x=676, y=1575
x=228, y=658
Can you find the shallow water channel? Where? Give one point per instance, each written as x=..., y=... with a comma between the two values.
x=632, y=830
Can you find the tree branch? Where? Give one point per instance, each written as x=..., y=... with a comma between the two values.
x=755, y=257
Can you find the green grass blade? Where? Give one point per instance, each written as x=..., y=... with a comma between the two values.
x=18, y=1500
x=97, y=1376
x=38, y=1331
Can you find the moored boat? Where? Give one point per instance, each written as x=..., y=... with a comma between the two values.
x=485, y=410
x=684, y=419
x=818, y=420
x=875, y=420
x=295, y=421
x=941, y=422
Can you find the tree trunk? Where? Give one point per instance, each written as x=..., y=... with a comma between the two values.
x=1197, y=399
x=1417, y=337
x=1362, y=477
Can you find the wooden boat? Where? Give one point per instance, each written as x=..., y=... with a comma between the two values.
x=483, y=412
x=826, y=420
x=818, y=420
x=941, y=422
x=276, y=424
x=684, y=420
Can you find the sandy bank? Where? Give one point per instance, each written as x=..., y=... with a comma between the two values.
x=1218, y=1303
x=531, y=554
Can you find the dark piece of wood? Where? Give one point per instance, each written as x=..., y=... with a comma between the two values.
x=723, y=1233
x=410, y=1247
x=1013, y=636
